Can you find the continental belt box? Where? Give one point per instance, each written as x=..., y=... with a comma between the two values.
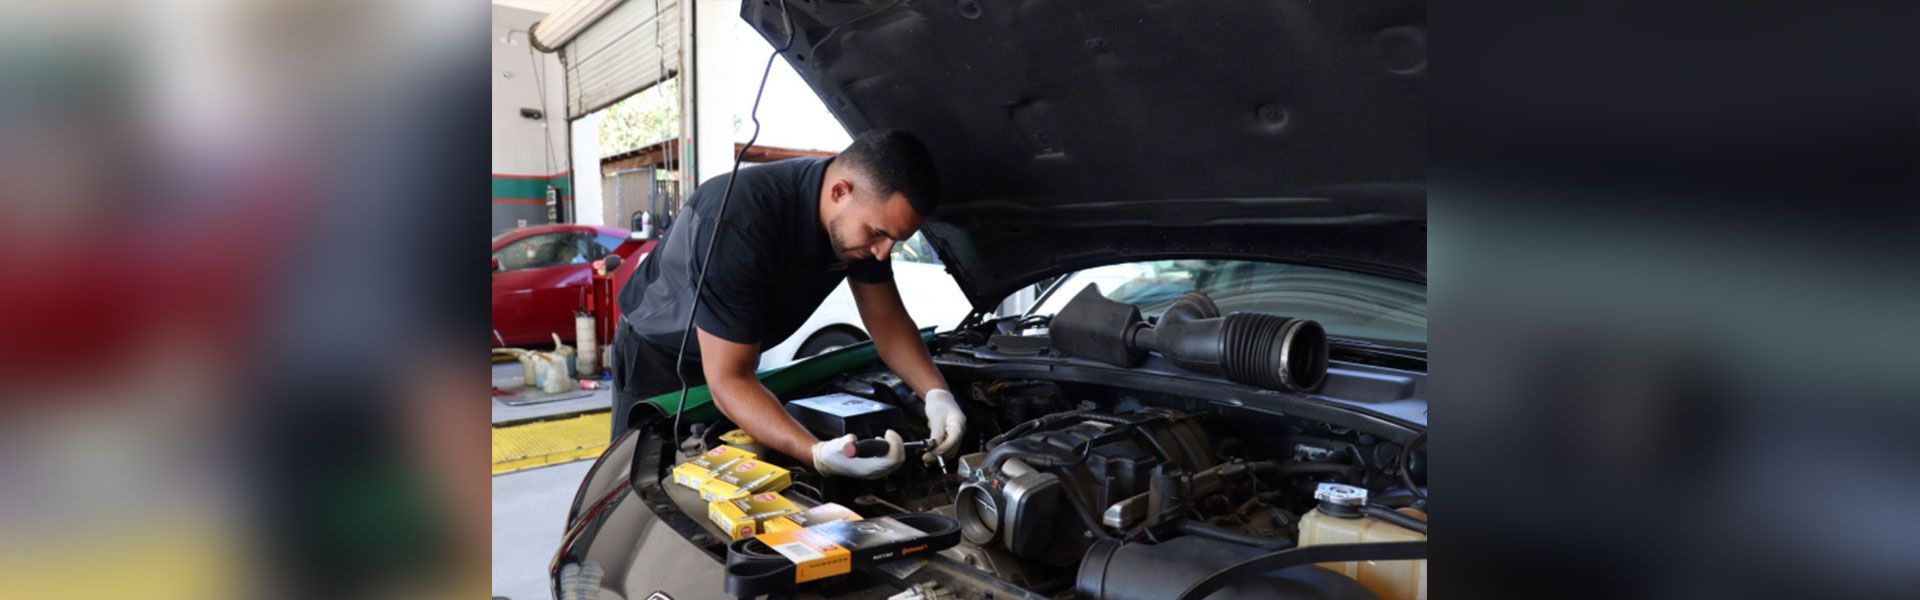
x=830, y=549
x=825, y=513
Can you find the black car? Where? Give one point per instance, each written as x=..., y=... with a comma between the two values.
x=1232, y=198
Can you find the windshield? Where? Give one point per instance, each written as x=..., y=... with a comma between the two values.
x=1348, y=304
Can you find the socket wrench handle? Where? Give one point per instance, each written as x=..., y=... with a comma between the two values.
x=877, y=447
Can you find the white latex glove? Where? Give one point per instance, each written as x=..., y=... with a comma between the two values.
x=946, y=422
x=829, y=458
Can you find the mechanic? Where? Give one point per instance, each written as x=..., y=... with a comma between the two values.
x=792, y=231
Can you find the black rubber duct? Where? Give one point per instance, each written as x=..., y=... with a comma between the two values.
x=1267, y=468
x=1269, y=351
x=1228, y=577
x=1119, y=571
x=1091, y=326
x=1192, y=527
x=1048, y=421
x=1395, y=517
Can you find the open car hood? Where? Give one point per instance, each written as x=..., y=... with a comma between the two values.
x=1073, y=134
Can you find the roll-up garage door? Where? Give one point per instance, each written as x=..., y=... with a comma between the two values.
x=612, y=48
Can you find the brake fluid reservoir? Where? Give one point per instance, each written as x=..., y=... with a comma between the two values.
x=1389, y=579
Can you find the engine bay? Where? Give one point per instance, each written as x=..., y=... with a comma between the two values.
x=1070, y=489
x=1194, y=454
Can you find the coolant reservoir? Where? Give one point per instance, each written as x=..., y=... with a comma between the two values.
x=1389, y=579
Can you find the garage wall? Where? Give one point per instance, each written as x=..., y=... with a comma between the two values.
x=522, y=166
x=585, y=152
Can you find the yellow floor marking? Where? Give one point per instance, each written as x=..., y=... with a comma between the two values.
x=529, y=445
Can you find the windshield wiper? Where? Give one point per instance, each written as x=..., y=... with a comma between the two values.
x=1364, y=350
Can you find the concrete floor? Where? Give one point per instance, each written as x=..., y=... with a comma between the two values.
x=529, y=510
x=506, y=376
x=530, y=507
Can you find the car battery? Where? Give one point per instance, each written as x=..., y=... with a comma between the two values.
x=836, y=415
x=751, y=476
x=749, y=516
x=695, y=472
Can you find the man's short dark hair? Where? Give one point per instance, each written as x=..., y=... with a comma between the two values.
x=896, y=162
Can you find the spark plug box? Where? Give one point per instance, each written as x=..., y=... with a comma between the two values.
x=749, y=516
x=744, y=478
x=694, y=473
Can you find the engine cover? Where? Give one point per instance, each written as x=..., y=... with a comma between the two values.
x=1035, y=494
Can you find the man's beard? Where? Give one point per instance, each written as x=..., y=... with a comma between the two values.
x=838, y=246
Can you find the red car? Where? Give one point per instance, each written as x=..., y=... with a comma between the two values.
x=542, y=274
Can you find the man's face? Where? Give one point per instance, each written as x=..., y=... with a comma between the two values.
x=866, y=226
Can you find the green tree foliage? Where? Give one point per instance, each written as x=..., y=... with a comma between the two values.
x=644, y=118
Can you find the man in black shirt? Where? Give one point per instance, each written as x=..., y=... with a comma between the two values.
x=792, y=231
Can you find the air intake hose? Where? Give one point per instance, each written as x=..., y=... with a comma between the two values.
x=1269, y=351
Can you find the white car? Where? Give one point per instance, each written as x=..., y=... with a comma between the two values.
x=929, y=292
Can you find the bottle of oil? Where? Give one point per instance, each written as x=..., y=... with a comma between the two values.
x=1338, y=520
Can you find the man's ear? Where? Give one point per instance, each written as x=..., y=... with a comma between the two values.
x=841, y=190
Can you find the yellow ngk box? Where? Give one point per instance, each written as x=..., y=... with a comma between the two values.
x=746, y=517
x=694, y=473
x=744, y=478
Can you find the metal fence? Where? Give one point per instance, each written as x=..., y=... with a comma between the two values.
x=626, y=193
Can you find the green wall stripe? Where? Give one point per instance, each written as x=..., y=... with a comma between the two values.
x=513, y=187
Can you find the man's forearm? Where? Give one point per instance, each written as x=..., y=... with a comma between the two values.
x=748, y=404
x=902, y=351
x=895, y=338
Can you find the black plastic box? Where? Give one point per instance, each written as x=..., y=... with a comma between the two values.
x=835, y=415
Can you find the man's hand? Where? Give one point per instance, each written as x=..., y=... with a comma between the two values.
x=946, y=422
x=898, y=343
x=740, y=396
x=830, y=458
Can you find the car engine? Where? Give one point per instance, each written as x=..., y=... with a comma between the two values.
x=1073, y=463
x=1090, y=490
x=1077, y=490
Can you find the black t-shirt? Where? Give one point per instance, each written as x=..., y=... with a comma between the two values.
x=773, y=265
